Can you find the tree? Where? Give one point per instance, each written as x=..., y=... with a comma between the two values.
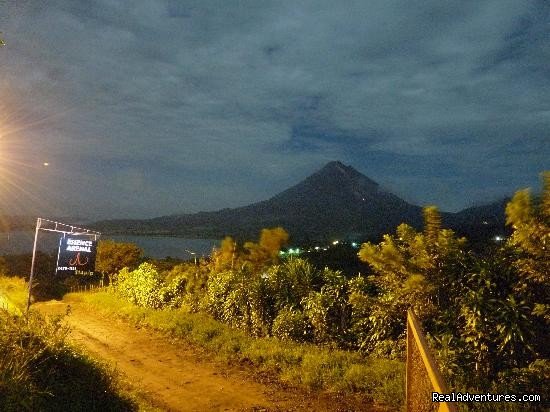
x=530, y=219
x=113, y=256
x=225, y=257
x=266, y=251
x=412, y=270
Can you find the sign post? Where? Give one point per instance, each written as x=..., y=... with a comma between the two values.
x=38, y=222
x=76, y=252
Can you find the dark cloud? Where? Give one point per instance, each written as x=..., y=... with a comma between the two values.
x=170, y=106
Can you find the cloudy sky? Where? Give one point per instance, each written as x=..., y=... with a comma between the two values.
x=171, y=106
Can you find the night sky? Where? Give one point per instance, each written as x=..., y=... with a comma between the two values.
x=181, y=106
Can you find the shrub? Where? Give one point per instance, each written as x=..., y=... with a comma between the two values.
x=143, y=286
x=292, y=324
x=40, y=372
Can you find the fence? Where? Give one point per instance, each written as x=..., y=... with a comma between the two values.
x=87, y=288
x=423, y=376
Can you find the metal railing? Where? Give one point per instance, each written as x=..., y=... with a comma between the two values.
x=423, y=376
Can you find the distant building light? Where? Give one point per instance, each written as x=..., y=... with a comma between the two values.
x=317, y=248
x=499, y=238
x=485, y=222
x=335, y=242
x=353, y=244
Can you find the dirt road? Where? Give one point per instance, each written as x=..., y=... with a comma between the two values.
x=177, y=377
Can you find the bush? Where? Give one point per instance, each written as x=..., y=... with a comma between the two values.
x=292, y=324
x=40, y=372
x=145, y=287
x=296, y=363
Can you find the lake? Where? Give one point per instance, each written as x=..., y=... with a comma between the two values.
x=18, y=242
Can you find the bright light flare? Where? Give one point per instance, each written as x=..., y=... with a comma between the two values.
x=22, y=190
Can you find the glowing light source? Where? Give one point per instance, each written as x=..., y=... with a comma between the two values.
x=46, y=164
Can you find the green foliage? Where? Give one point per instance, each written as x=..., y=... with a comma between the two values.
x=144, y=286
x=13, y=293
x=292, y=324
x=45, y=286
x=114, y=256
x=251, y=300
x=225, y=257
x=295, y=363
x=530, y=219
x=292, y=281
x=254, y=255
x=530, y=242
x=40, y=372
x=414, y=270
x=496, y=322
x=328, y=309
x=237, y=297
x=535, y=375
x=266, y=251
x=486, y=313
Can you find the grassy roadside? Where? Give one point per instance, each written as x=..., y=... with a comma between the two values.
x=13, y=294
x=40, y=371
x=314, y=367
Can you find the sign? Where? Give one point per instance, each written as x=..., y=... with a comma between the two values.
x=76, y=255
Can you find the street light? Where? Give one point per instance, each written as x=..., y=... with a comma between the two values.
x=193, y=254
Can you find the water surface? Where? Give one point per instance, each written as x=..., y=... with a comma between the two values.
x=19, y=242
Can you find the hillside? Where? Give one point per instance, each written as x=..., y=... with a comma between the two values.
x=335, y=202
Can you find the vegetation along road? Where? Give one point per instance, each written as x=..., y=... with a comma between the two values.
x=177, y=377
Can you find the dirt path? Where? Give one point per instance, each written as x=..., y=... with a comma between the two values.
x=176, y=377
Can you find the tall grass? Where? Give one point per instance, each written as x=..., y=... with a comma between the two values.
x=40, y=371
x=314, y=367
x=13, y=294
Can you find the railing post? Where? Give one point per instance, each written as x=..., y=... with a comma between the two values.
x=38, y=222
x=408, y=367
x=418, y=354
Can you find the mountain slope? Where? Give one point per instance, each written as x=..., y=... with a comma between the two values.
x=478, y=223
x=337, y=201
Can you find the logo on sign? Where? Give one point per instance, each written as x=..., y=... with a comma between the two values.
x=76, y=254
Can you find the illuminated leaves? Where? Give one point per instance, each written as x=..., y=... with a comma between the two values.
x=113, y=256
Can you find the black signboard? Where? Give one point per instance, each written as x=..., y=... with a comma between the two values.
x=76, y=255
